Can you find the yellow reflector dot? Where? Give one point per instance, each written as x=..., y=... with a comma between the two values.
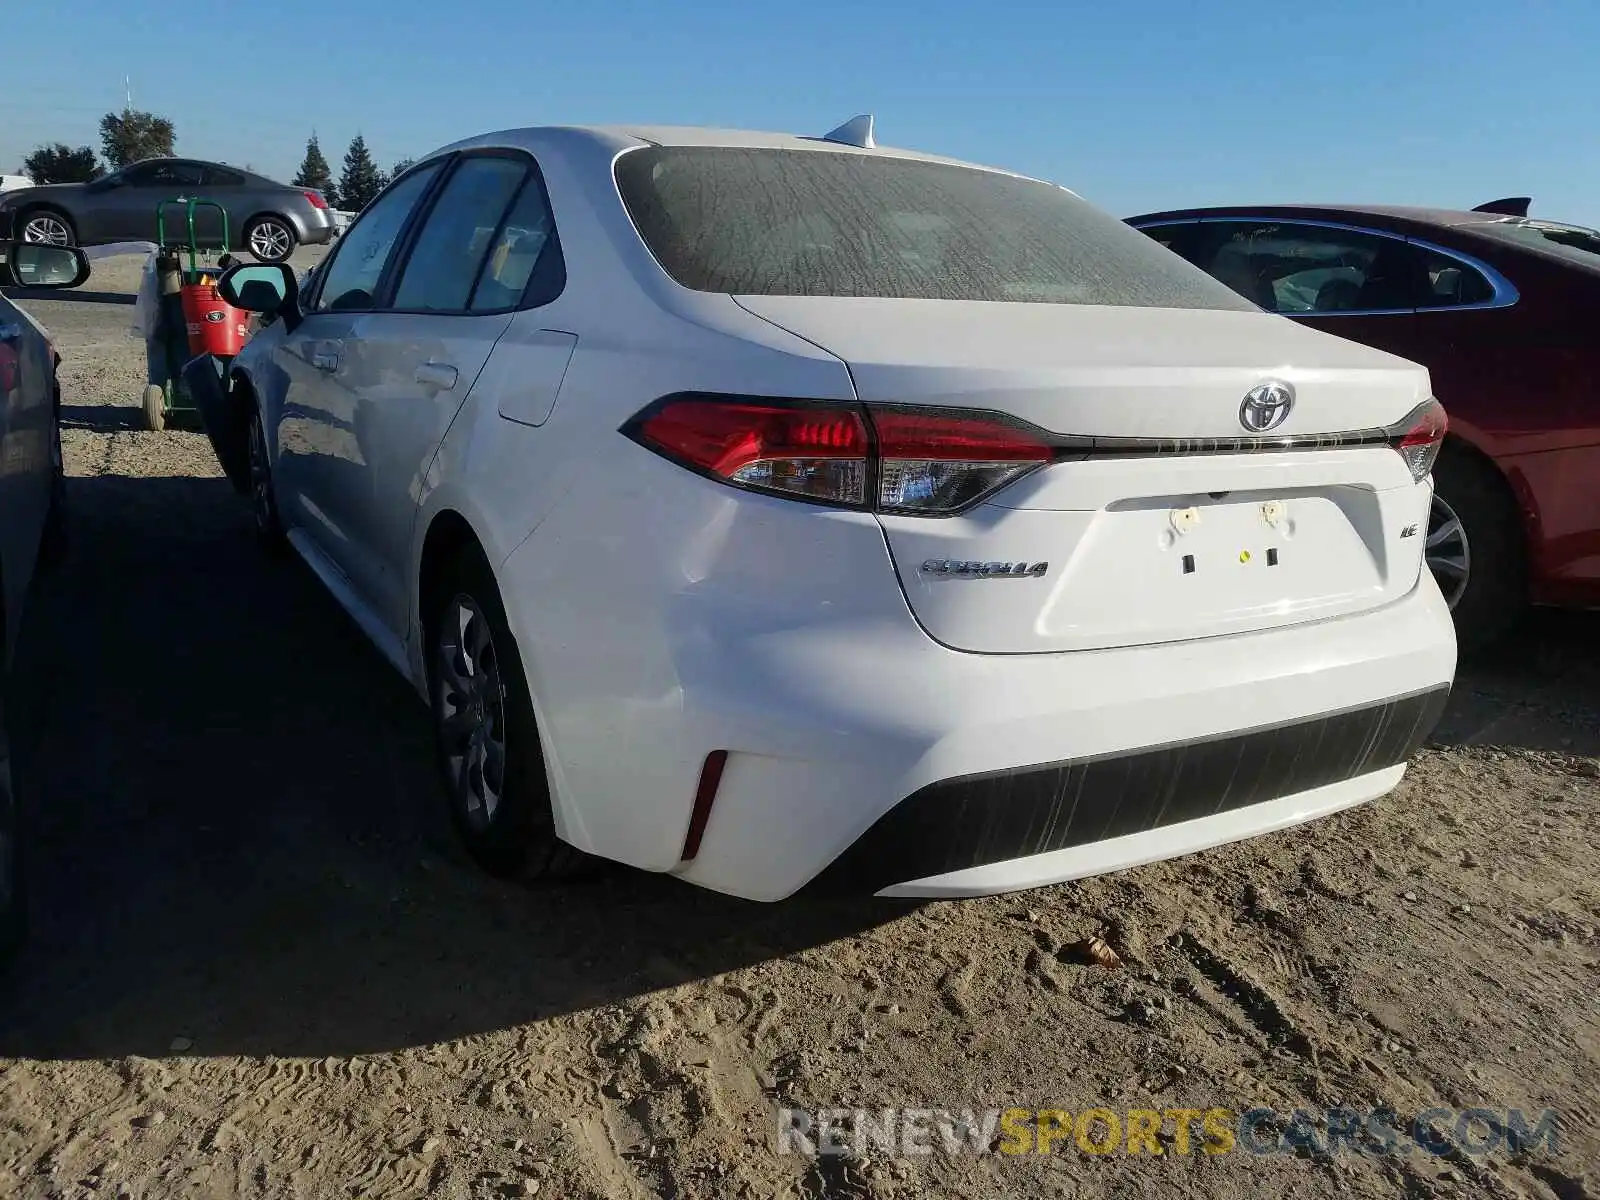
x=1244, y=556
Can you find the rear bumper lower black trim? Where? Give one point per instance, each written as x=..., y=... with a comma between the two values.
x=977, y=820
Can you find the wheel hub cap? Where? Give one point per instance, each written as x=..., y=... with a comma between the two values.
x=471, y=710
x=1449, y=554
x=270, y=240
x=46, y=230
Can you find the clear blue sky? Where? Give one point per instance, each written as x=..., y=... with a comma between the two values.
x=1134, y=105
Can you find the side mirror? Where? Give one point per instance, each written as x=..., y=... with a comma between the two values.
x=37, y=265
x=268, y=289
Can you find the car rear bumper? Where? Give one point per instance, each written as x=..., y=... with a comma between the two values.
x=315, y=229
x=1019, y=771
x=861, y=754
x=1032, y=825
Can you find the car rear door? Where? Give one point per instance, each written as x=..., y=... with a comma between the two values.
x=466, y=270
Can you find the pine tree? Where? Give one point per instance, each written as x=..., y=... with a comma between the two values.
x=361, y=180
x=315, y=173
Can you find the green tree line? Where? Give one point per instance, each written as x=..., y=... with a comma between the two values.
x=131, y=136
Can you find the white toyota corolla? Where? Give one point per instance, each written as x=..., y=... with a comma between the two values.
x=787, y=512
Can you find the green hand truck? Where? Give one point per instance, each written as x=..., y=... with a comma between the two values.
x=167, y=349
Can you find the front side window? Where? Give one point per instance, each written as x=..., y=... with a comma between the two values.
x=165, y=174
x=351, y=278
x=455, y=238
x=1291, y=268
x=777, y=222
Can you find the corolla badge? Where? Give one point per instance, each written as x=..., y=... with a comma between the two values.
x=957, y=569
x=1266, y=406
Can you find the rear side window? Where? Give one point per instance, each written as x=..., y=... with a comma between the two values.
x=1451, y=283
x=221, y=177
x=525, y=265
x=456, y=236
x=775, y=222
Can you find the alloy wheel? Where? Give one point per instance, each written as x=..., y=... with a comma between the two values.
x=471, y=710
x=1449, y=555
x=270, y=240
x=48, y=229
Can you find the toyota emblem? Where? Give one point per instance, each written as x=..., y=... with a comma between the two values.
x=1266, y=406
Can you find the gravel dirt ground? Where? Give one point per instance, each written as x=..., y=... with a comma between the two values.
x=261, y=968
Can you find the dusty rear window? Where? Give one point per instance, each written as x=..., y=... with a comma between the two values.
x=1574, y=243
x=772, y=222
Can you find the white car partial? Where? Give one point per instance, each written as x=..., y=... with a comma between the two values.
x=33, y=517
x=793, y=514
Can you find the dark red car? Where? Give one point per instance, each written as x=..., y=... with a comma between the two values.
x=1503, y=310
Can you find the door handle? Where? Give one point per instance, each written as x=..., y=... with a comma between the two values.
x=437, y=375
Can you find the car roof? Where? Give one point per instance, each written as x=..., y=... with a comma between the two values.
x=1415, y=214
x=626, y=136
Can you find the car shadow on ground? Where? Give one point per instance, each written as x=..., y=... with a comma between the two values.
x=68, y=294
x=236, y=835
x=105, y=418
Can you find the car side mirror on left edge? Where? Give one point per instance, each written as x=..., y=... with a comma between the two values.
x=38, y=265
x=265, y=288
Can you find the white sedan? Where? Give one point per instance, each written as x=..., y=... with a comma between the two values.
x=33, y=511
x=787, y=512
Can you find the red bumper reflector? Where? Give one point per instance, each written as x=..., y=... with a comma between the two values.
x=704, y=796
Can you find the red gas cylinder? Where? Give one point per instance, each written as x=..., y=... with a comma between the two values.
x=215, y=326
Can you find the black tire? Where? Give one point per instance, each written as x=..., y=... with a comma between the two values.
x=54, y=541
x=13, y=906
x=263, y=491
x=515, y=835
x=275, y=237
x=1494, y=596
x=155, y=407
x=49, y=212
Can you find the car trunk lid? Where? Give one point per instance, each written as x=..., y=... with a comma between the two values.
x=1165, y=518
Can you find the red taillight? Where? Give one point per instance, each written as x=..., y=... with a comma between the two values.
x=817, y=451
x=1418, y=436
x=316, y=199
x=922, y=461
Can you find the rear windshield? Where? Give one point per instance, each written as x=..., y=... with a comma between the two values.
x=771, y=222
x=1571, y=242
